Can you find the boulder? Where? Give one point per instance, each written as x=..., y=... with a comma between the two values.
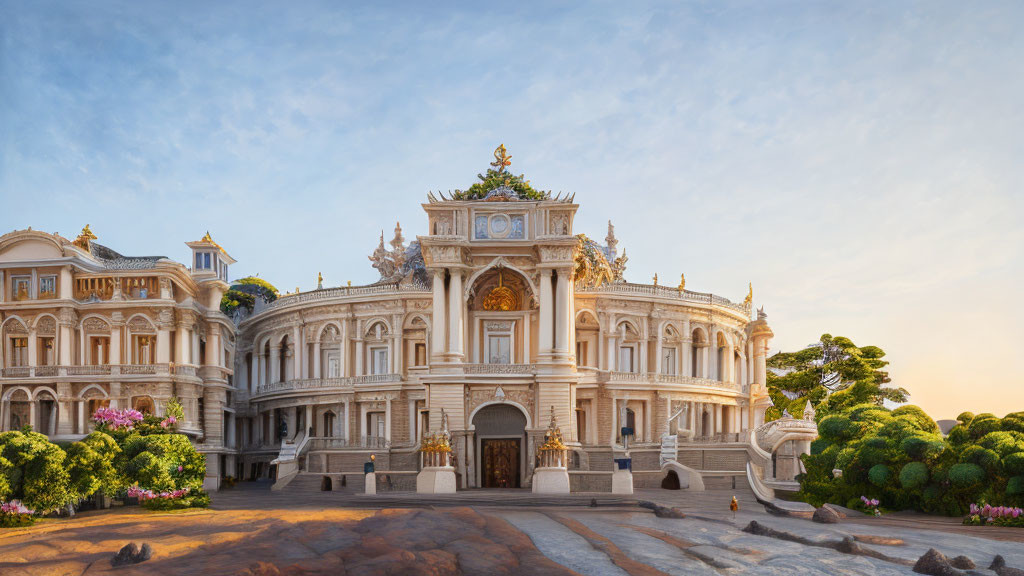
x=664, y=512
x=125, y=555
x=825, y=515
x=963, y=562
x=935, y=563
x=1000, y=567
x=840, y=510
x=131, y=554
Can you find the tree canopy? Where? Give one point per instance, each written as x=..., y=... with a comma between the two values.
x=833, y=373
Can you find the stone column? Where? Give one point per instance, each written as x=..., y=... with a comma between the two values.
x=309, y=420
x=255, y=371
x=659, y=348
x=67, y=324
x=398, y=347
x=272, y=424
x=545, y=336
x=359, y=357
x=181, y=352
x=32, y=338
x=163, y=340
x=346, y=425
x=562, y=311
x=297, y=350
x=455, y=327
x=64, y=407
x=275, y=364
x=387, y=419
x=316, y=359
x=437, y=317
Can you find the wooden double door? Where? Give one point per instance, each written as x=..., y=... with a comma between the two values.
x=500, y=458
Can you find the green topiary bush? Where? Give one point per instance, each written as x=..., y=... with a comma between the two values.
x=880, y=475
x=1015, y=486
x=965, y=475
x=91, y=465
x=913, y=475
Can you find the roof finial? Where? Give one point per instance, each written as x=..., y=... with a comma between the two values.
x=750, y=294
x=682, y=282
x=319, y=281
x=501, y=158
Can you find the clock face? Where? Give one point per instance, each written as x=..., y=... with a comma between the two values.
x=500, y=225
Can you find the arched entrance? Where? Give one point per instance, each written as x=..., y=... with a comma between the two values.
x=500, y=446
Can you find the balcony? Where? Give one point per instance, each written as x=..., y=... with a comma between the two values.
x=325, y=384
x=93, y=370
x=17, y=372
x=499, y=368
x=651, y=378
x=360, y=443
x=52, y=371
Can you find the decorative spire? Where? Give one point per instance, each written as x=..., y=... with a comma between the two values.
x=611, y=241
x=398, y=242
x=501, y=158
x=750, y=294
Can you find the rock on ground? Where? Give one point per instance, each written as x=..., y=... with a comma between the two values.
x=825, y=515
x=935, y=563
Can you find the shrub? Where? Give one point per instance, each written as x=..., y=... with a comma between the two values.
x=1015, y=486
x=966, y=475
x=14, y=514
x=923, y=446
x=913, y=475
x=1014, y=464
x=981, y=425
x=879, y=474
x=983, y=457
x=922, y=420
x=90, y=465
x=836, y=428
x=34, y=471
x=163, y=462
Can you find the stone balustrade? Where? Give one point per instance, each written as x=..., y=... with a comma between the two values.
x=667, y=292
x=649, y=377
x=499, y=368
x=341, y=384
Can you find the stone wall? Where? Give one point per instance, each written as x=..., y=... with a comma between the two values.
x=590, y=482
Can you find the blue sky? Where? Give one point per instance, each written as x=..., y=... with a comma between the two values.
x=858, y=162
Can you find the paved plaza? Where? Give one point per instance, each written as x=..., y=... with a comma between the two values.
x=251, y=530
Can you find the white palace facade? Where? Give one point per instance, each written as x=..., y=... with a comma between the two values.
x=495, y=319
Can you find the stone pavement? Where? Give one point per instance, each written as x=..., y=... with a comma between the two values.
x=251, y=530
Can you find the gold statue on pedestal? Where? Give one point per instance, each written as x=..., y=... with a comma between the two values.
x=750, y=294
x=682, y=283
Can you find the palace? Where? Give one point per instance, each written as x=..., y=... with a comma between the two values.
x=498, y=320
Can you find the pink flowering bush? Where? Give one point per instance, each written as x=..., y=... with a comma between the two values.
x=114, y=419
x=170, y=499
x=14, y=514
x=870, y=506
x=994, y=515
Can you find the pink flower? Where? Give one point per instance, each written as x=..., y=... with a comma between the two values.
x=180, y=468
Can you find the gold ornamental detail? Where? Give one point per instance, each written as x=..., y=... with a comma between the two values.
x=501, y=298
x=502, y=159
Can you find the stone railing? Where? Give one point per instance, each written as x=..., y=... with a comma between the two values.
x=144, y=369
x=347, y=383
x=44, y=371
x=359, y=443
x=341, y=292
x=93, y=370
x=184, y=370
x=723, y=438
x=769, y=433
x=499, y=368
x=17, y=372
x=668, y=292
x=649, y=378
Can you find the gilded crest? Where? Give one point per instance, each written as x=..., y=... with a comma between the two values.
x=501, y=298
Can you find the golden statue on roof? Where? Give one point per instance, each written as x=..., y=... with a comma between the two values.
x=750, y=294
x=682, y=282
x=501, y=159
x=85, y=238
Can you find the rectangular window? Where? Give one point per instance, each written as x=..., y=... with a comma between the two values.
x=20, y=350
x=421, y=354
x=206, y=261
x=20, y=286
x=376, y=425
x=668, y=361
x=199, y=260
x=626, y=359
x=499, y=349
x=47, y=286
x=379, y=361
